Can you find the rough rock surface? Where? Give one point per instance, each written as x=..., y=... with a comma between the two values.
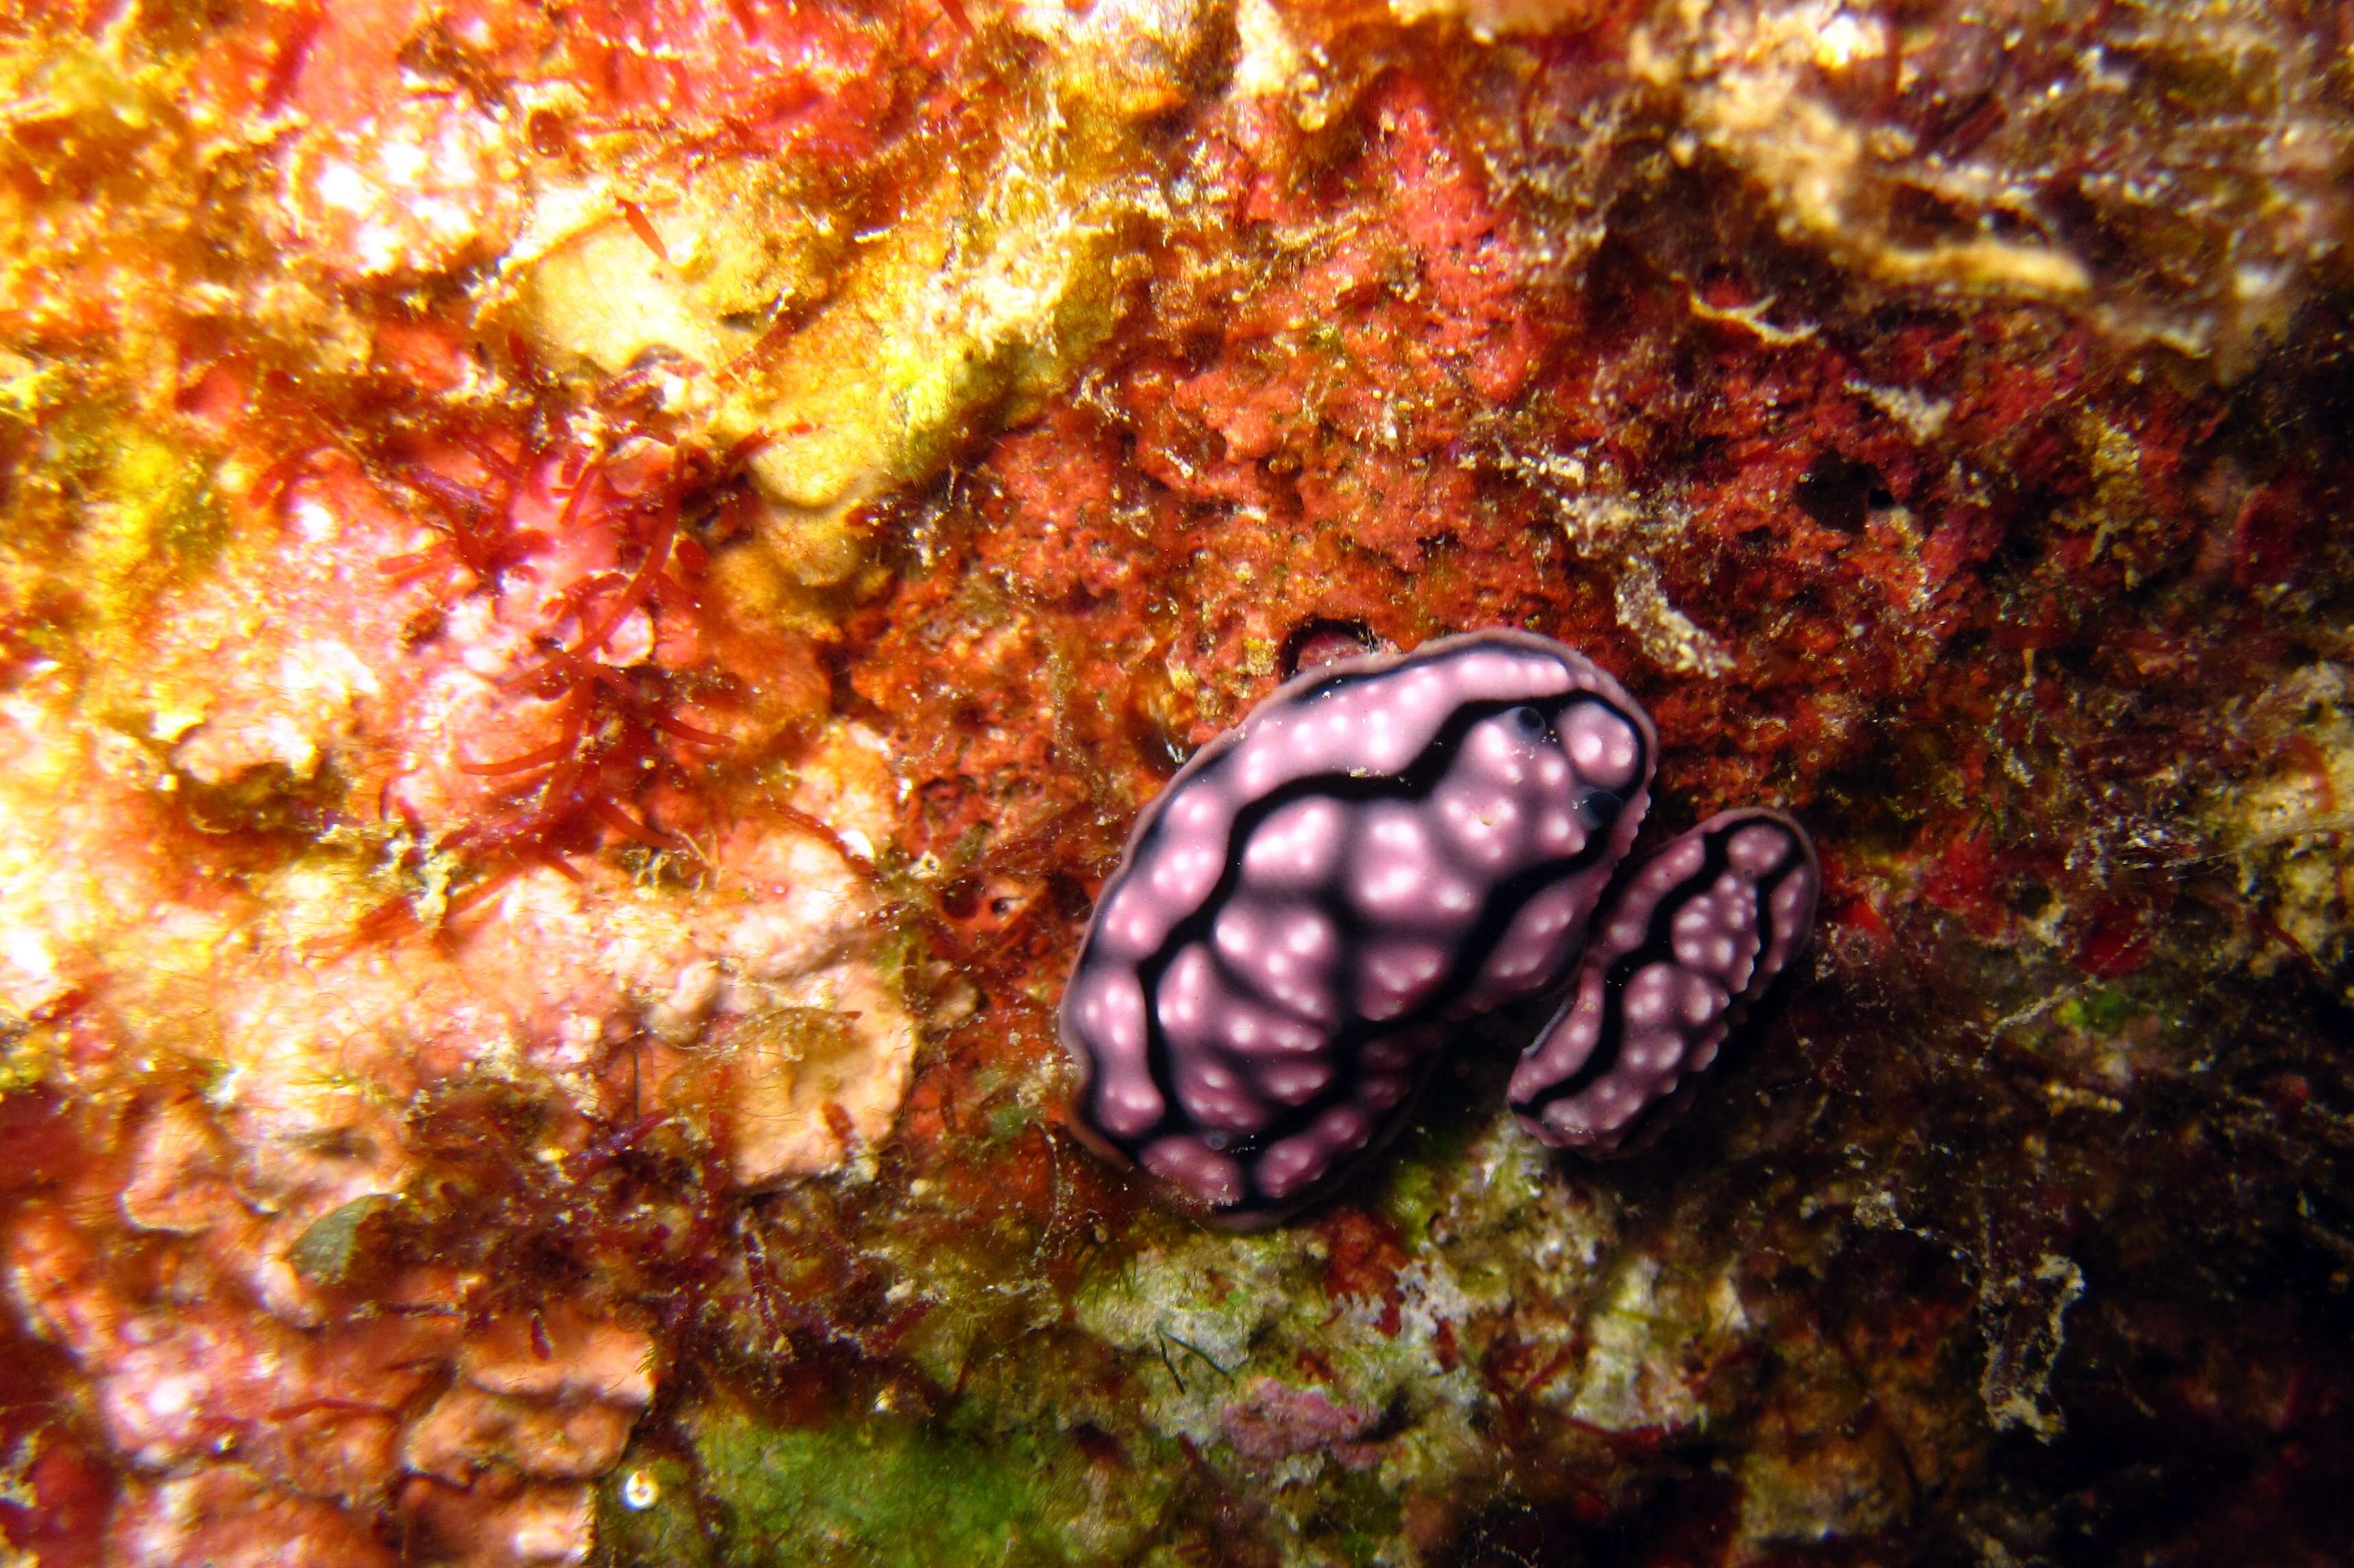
x=590, y=593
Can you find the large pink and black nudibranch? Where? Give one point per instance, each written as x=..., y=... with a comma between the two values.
x=1384, y=848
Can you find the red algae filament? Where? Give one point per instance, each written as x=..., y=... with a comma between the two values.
x=643, y=228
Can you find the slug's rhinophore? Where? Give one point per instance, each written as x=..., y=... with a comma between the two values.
x=1692, y=941
x=1386, y=847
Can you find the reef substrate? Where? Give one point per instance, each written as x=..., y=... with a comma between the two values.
x=589, y=597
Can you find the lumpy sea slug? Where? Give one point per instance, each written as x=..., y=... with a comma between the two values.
x=1387, y=847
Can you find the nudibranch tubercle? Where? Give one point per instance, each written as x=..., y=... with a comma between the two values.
x=1386, y=847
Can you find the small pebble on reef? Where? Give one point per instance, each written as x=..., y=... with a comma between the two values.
x=1388, y=845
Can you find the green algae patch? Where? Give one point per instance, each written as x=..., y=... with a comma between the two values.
x=646, y=1513
x=28, y=1054
x=2103, y=1011
x=892, y=1493
x=324, y=1251
x=152, y=519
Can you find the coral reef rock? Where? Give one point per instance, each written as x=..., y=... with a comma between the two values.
x=590, y=595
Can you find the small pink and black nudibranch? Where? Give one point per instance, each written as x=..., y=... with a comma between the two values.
x=1384, y=848
x=1688, y=945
